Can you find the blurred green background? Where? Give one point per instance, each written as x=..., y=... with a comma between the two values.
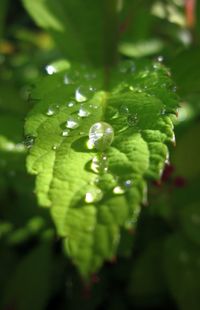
x=158, y=264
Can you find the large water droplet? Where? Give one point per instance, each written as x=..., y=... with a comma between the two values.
x=100, y=164
x=101, y=135
x=83, y=93
x=83, y=112
x=93, y=195
x=72, y=123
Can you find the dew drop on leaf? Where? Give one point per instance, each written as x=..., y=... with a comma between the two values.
x=83, y=93
x=101, y=135
x=71, y=104
x=54, y=147
x=127, y=66
x=72, y=123
x=99, y=163
x=29, y=141
x=118, y=190
x=66, y=133
x=50, y=69
x=67, y=80
x=50, y=111
x=132, y=120
x=128, y=183
x=83, y=112
x=93, y=195
x=160, y=58
x=124, y=110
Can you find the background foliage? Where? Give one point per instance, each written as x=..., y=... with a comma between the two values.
x=157, y=264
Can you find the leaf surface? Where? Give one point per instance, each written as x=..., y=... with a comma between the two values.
x=93, y=193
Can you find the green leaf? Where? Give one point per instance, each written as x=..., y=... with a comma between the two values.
x=3, y=11
x=84, y=30
x=30, y=284
x=89, y=203
x=183, y=271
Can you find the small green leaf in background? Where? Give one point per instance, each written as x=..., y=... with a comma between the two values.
x=31, y=283
x=183, y=271
x=93, y=192
x=85, y=31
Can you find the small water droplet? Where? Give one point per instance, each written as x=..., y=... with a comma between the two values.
x=50, y=111
x=163, y=111
x=67, y=80
x=128, y=183
x=118, y=190
x=99, y=163
x=66, y=133
x=71, y=104
x=72, y=123
x=101, y=135
x=156, y=66
x=127, y=66
x=124, y=110
x=174, y=89
x=29, y=141
x=83, y=93
x=50, y=69
x=93, y=195
x=83, y=112
x=132, y=120
x=54, y=147
x=160, y=58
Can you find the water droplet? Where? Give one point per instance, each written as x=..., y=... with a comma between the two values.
x=128, y=183
x=66, y=133
x=132, y=120
x=163, y=111
x=124, y=109
x=54, y=147
x=89, y=145
x=72, y=123
x=101, y=135
x=160, y=58
x=174, y=89
x=100, y=163
x=29, y=141
x=127, y=66
x=83, y=112
x=118, y=190
x=83, y=93
x=156, y=66
x=50, y=111
x=67, y=80
x=93, y=195
x=71, y=104
x=50, y=69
